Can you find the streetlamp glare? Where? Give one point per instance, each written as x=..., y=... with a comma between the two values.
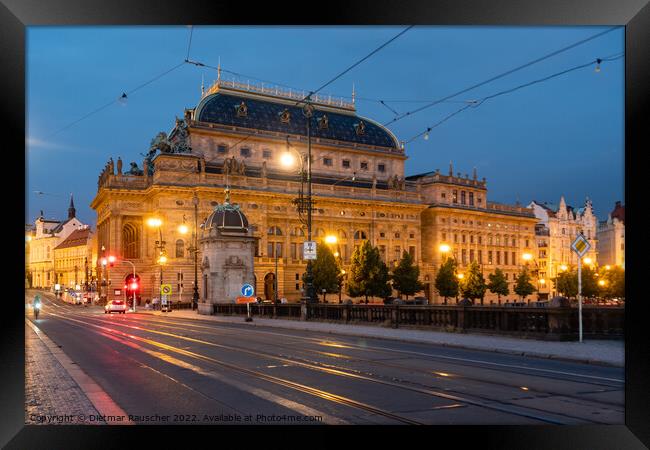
x=331, y=239
x=607, y=267
x=563, y=267
x=542, y=281
x=162, y=259
x=527, y=256
x=336, y=254
x=601, y=282
x=460, y=276
x=287, y=159
x=444, y=248
x=154, y=222
x=587, y=260
x=183, y=229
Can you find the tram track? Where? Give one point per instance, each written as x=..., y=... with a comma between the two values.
x=542, y=415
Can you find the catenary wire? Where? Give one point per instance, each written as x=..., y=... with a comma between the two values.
x=355, y=64
x=482, y=100
x=501, y=75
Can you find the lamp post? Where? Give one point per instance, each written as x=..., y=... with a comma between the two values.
x=154, y=222
x=308, y=112
x=194, y=248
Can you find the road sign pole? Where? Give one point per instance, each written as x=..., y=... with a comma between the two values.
x=580, y=297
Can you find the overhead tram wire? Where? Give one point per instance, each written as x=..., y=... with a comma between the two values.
x=189, y=44
x=501, y=75
x=354, y=65
x=125, y=94
x=477, y=103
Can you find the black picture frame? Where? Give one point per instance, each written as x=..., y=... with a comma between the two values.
x=15, y=15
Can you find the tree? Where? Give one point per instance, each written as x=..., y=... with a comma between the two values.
x=446, y=282
x=498, y=284
x=589, y=282
x=523, y=286
x=614, y=282
x=326, y=271
x=473, y=285
x=368, y=273
x=566, y=283
x=405, y=276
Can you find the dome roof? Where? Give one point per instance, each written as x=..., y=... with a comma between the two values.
x=228, y=218
x=265, y=114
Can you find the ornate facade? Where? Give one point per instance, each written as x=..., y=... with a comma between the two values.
x=236, y=137
x=557, y=229
x=43, y=238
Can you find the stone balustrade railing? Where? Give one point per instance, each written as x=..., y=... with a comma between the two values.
x=559, y=324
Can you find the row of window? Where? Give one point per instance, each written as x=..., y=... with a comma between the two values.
x=492, y=257
x=466, y=198
x=490, y=240
x=246, y=152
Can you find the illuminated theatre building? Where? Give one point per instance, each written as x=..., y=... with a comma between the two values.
x=239, y=136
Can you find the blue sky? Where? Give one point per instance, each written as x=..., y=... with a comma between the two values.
x=564, y=136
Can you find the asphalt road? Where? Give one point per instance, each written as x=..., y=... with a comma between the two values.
x=169, y=370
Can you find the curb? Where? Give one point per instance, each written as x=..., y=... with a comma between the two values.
x=102, y=402
x=421, y=341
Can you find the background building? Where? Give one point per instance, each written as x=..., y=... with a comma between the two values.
x=73, y=259
x=557, y=228
x=236, y=137
x=611, y=238
x=43, y=238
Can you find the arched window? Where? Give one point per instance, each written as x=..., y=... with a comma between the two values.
x=359, y=234
x=180, y=248
x=298, y=231
x=274, y=231
x=319, y=232
x=130, y=241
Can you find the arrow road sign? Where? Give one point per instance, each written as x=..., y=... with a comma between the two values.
x=247, y=290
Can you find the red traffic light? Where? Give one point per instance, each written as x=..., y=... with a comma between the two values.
x=134, y=286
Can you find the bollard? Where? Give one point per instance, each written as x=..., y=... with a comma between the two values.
x=248, y=312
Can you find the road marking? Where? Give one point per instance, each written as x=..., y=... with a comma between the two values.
x=409, y=352
x=358, y=347
x=507, y=408
x=102, y=402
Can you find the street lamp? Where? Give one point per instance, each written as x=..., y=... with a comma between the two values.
x=288, y=160
x=155, y=222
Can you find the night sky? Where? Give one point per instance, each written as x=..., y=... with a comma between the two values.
x=564, y=136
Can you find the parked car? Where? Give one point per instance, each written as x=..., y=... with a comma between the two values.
x=115, y=306
x=540, y=303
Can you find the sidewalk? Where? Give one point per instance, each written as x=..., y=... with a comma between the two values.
x=602, y=352
x=56, y=391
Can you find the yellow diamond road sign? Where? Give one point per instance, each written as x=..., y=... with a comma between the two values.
x=166, y=289
x=580, y=245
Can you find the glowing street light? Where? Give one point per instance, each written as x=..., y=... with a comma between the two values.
x=460, y=276
x=183, y=229
x=527, y=256
x=162, y=259
x=330, y=239
x=287, y=159
x=588, y=260
x=444, y=248
x=608, y=267
x=542, y=281
x=563, y=268
x=154, y=222
x=602, y=283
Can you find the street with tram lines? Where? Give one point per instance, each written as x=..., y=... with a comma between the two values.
x=165, y=369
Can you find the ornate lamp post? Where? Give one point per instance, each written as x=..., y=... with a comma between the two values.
x=305, y=204
x=193, y=248
x=160, y=246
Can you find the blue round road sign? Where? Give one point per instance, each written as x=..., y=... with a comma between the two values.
x=247, y=290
